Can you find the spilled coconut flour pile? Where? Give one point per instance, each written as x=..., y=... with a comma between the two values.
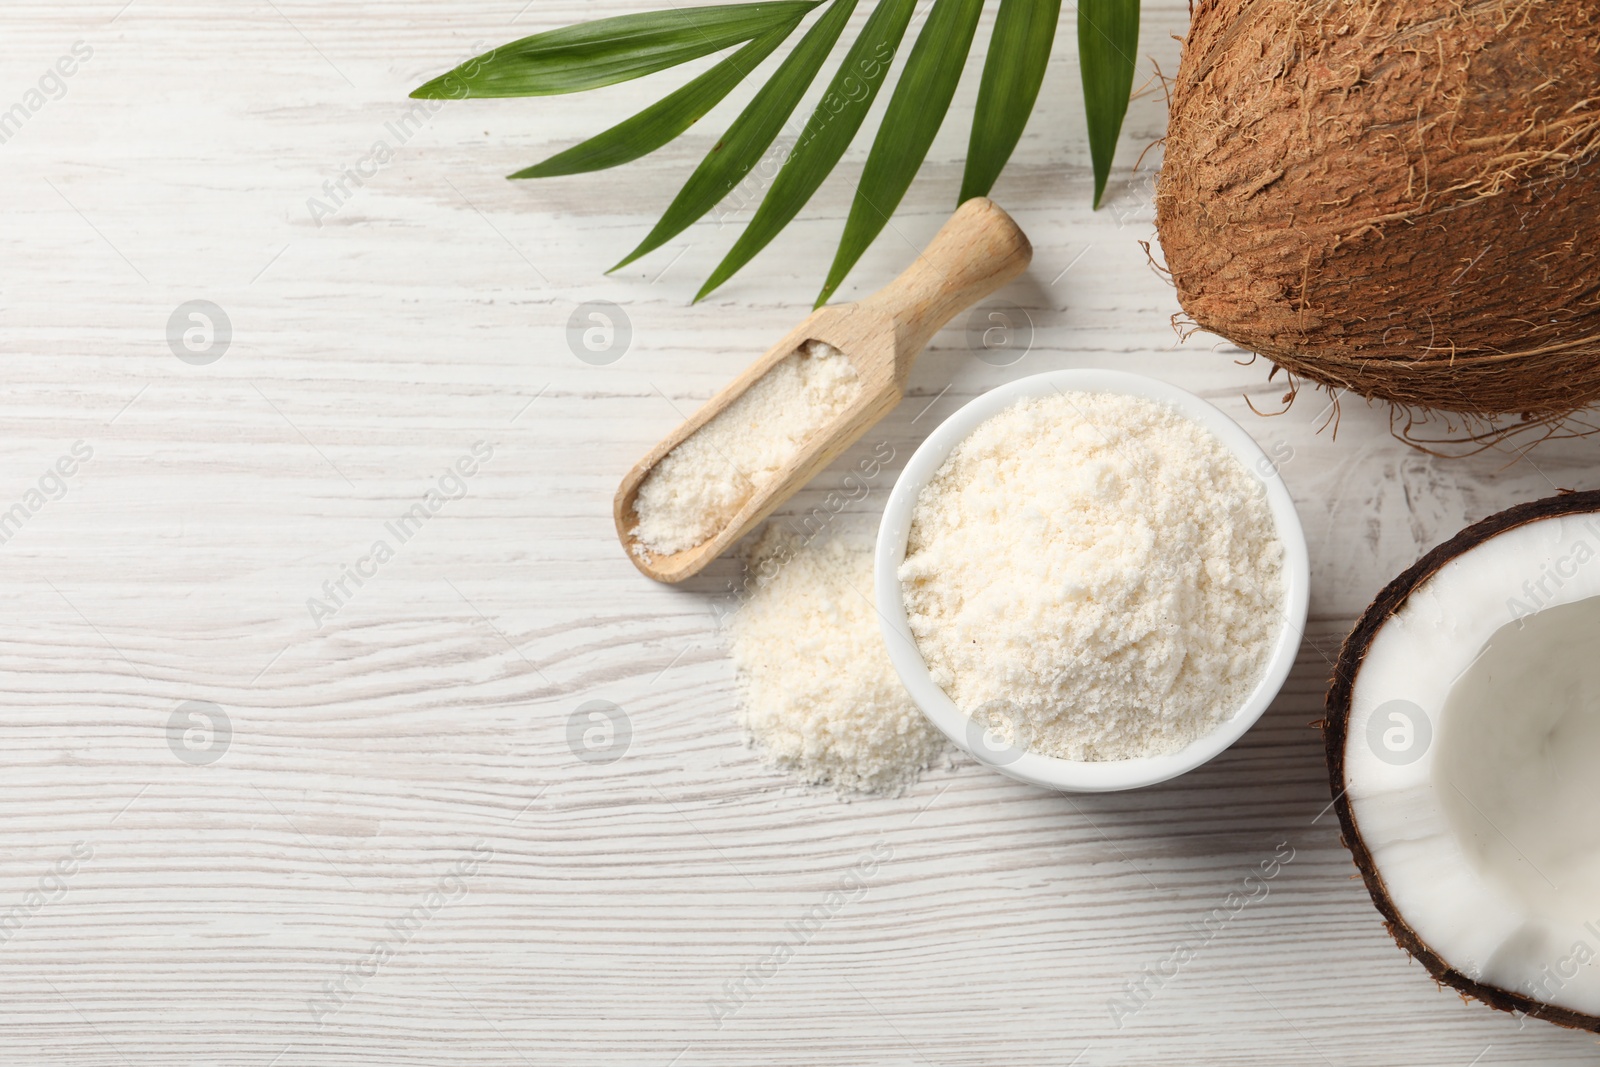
x=1096, y=572
x=818, y=693
x=1092, y=576
x=698, y=487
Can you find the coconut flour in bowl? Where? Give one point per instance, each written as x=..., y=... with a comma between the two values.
x=1095, y=576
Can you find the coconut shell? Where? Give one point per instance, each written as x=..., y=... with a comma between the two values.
x=1396, y=197
x=1335, y=730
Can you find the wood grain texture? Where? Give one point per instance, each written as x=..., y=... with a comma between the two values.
x=417, y=740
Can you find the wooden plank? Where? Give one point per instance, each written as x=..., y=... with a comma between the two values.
x=416, y=741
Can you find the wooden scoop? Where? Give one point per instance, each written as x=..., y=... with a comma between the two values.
x=979, y=250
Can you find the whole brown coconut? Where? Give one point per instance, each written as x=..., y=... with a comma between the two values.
x=1396, y=197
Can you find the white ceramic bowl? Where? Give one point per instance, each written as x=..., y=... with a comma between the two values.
x=1033, y=767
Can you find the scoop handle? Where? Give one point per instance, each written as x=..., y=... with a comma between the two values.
x=979, y=250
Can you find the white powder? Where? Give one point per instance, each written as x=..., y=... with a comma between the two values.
x=819, y=693
x=1096, y=576
x=698, y=487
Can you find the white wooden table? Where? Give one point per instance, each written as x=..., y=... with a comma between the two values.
x=392, y=854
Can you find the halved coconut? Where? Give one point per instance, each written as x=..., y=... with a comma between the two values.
x=1463, y=739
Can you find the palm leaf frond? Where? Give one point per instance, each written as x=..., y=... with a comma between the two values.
x=1108, y=39
x=827, y=134
x=1019, y=52
x=664, y=120
x=751, y=134
x=606, y=51
x=915, y=113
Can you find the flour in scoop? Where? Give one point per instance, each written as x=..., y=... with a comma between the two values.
x=698, y=487
x=818, y=693
x=1095, y=576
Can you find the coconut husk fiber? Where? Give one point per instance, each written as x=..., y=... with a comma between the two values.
x=1400, y=198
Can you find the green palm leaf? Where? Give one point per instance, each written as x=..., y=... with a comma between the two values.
x=611, y=50
x=606, y=51
x=915, y=113
x=827, y=134
x=1108, y=39
x=752, y=132
x=1019, y=52
x=663, y=120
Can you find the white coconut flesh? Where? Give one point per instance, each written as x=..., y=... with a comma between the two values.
x=1472, y=761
